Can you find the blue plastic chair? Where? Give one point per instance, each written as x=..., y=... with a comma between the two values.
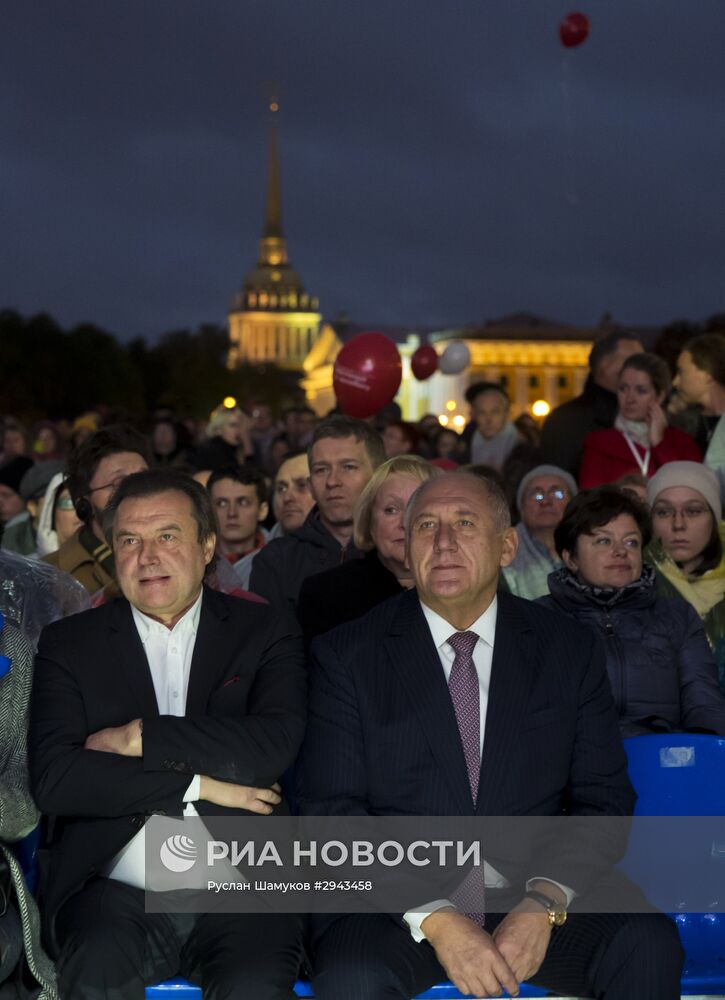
x=674, y=775
x=179, y=989
x=683, y=774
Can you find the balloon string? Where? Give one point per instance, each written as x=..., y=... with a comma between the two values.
x=571, y=194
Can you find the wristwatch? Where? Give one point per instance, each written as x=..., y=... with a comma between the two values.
x=555, y=911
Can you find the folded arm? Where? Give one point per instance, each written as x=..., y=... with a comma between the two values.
x=255, y=748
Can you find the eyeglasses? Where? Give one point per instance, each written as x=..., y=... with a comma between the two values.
x=114, y=484
x=690, y=513
x=65, y=503
x=538, y=496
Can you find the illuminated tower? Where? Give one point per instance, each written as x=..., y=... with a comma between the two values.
x=273, y=319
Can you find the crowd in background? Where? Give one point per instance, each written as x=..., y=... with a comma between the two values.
x=617, y=507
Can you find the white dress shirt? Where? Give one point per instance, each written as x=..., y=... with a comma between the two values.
x=169, y=653
x=441, y=631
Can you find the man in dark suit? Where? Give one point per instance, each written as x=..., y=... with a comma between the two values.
x=174, y=699
x=452, y=701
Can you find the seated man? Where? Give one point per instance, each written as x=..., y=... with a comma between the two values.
x=495, y=436
x=173, y=695
x=541, y=498
x=95, y=469
x=239, y=497
x=343, y=455
x=292, y=501
x=451, y=700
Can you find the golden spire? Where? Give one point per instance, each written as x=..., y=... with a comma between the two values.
x=273, y=215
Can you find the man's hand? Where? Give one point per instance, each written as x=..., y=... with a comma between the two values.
x=125, y=740
x=523, y=936
x=469, y=955
x=223, y=793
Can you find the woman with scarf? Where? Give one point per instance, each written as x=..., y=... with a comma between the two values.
x=660, y=666
x=687, y=551
x=641, y=439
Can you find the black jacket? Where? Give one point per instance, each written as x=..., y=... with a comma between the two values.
x=562, y=439
x=660, y=666
x=245, y=717
x=383, y=740
x=280, y=568
x=344, y=593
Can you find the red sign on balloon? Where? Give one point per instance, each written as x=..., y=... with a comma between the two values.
x=366, y=374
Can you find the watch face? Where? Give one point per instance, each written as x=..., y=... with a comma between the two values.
x=558, y=918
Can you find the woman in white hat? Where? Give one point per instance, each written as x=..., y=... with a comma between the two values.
x=687, y=550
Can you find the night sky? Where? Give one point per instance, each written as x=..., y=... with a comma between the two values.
x=442, y=162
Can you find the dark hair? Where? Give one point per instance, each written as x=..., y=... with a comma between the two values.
x=245, y=475
x=593, y=509
x=708, y=354
x=484, y=471
x=408, y=431
x=150, y=483
x=654, y=366
x=438, y=434
x=607, y=345
x=85, y=459
x=711, y=555
x=294, y=453
x=479, y=388
x=344, y=427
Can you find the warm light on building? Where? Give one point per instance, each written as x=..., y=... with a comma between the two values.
x=443, y=419
x=459, y=421
x=540, y=408
x=229, y=402
x=451, y=404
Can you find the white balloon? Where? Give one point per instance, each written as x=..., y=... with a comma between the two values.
x=455, y=359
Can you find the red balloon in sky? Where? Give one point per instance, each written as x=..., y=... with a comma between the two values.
x=424, y=362
x=574, y=30
x=366, y=374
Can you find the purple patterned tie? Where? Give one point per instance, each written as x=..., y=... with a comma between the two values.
x=464, y=690
x=465, y=695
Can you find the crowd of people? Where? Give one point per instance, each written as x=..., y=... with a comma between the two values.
x=447, y=599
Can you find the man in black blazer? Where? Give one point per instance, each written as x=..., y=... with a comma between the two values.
x=175, y=699
x=451, y=701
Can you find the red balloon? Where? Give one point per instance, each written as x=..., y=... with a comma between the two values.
x=574, y=30
x=424, y=362
x=367, y=374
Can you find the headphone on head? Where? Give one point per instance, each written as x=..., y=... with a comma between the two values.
x=84, y=510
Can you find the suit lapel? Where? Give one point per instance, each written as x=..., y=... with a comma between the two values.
x=512, y=674
x=416, y=662
x=216, y=643
x=127, y=651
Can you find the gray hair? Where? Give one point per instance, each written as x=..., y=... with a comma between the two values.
x=496, y=502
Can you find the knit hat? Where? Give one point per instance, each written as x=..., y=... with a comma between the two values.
x=695, y=475
x=35, y=481
x=13, y=471
x=545, y=470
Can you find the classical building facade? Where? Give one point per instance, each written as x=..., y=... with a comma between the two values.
x=275, y=320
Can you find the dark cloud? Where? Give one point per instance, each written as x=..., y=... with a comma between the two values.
x=441, y=162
